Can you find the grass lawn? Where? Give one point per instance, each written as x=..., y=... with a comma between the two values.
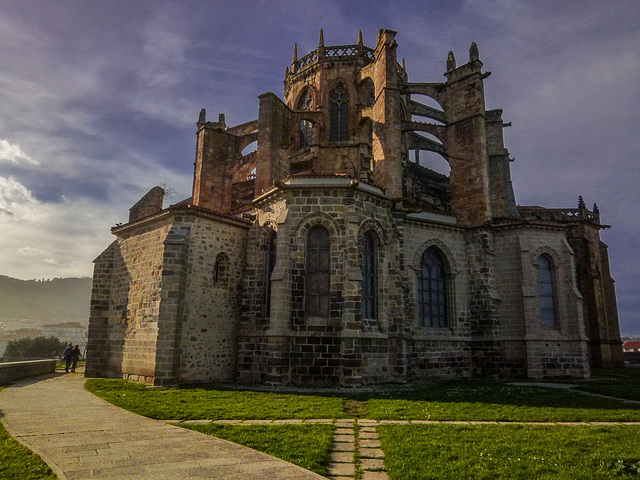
x=208, y=403
x=420, y=452
x=18, y=462
x=615, y=382
x=496, y=401
x=304, y=445
x=424, y=451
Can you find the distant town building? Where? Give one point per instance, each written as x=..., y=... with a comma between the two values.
x=631, y=346
x=68, y=332
x=332, y=255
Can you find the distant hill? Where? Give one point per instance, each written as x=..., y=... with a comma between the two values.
x=45, y=301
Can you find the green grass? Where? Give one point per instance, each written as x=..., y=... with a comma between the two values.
x=421, y=452
x=425, y=451
x=208, y=403
x=18, y=462
x=304, y=445
x=496, y=401
x=452, y=400
x=615, y=382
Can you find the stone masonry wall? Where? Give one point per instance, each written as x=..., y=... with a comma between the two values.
x=135, y=301
x=211, y=299
x=552, y=351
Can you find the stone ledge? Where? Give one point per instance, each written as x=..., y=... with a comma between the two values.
x=10, y=371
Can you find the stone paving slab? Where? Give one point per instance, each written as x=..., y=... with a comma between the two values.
x=83, y=437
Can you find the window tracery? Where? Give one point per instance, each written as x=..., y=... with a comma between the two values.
x=432, y=290
x=317, y=294
x=546, y=291
x=306, y=103
x=339, y=115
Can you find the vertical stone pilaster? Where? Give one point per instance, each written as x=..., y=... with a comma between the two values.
x=98, y=334
x=171, y=298
x=487, y=357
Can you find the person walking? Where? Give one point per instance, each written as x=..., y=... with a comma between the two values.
x=75, y=355
x=67, y=357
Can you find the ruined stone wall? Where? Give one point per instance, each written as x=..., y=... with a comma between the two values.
x=210, y=309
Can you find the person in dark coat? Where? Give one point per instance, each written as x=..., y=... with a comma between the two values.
x=75, y=355
x=67, y=357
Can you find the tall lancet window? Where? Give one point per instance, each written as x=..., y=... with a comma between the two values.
x=368, y=276
x=306, y=103
x=432, y=290
x=339, y=113
x=318, y=279
x=271, y=264
x=546, y=291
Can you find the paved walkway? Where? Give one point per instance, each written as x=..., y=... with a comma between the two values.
x=81, y=437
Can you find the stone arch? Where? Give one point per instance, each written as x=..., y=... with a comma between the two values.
x=548, y=287
x=447, y=255
x=352, y=92
x=545, y=250
x=424, y=297
x=317, y=220
x=296, y=96
x=221, y=268
x=373, y=226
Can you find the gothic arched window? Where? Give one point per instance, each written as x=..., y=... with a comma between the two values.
x=306, y=103
x=339, y=115
x=546, y=291
x=271, y=264
x=317, y=294
x=220, y=269
x=432, y=290
x=369, y=276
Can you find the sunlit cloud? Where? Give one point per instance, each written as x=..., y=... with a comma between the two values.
x=13, y=153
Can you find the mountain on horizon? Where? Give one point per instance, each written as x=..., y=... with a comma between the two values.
x=45, y=301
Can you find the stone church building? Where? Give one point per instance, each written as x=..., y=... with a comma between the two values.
x=332, y=254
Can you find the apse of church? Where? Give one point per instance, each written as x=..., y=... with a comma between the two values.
x=335, y=254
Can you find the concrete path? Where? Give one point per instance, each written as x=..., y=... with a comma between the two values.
x=82, y=437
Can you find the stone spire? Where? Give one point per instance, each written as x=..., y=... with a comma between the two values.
x=451, y=61
x=581, y=204
x=473, y=52
x=202, y=119
x=360, y=41
x=295, y=53
x=321, y=40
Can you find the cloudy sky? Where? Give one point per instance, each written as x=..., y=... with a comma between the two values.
x=99, y=99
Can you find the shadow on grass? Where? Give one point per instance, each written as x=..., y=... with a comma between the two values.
x=482, y=400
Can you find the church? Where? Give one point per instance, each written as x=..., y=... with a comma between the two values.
x=335, y=254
